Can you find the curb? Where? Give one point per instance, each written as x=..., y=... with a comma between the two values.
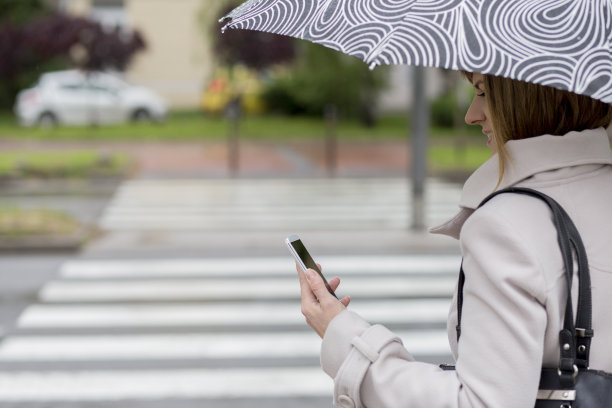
x=67, y=243
x=96, y=186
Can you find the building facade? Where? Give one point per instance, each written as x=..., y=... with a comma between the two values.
x=177, y=60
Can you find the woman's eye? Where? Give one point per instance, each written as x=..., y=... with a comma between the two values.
x=480, y=94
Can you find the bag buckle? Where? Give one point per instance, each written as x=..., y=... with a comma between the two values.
x=563, y=376
x=584, y=332
x=557, y=395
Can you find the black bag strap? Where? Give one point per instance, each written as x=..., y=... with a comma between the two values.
x=574, y=339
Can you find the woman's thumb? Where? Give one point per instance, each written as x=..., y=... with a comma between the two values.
x=315, y=282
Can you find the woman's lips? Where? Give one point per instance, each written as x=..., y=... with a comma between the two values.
x=488, y=133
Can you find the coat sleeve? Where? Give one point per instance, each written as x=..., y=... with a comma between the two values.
x=501, y=345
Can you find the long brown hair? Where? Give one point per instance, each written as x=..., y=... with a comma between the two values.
x=519, y=110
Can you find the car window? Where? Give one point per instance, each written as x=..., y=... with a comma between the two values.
x=102, y=88
x=72, y=87
x=110, y=82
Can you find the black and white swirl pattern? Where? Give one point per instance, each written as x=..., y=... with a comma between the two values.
x=562, y=43
x=415, y=42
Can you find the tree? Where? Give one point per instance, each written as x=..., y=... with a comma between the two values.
x=255, y=49
x=47, y=41
x=19, y=11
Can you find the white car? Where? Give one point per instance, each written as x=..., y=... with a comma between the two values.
x=86, y=98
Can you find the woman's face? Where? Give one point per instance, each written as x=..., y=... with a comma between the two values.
x=478, y=112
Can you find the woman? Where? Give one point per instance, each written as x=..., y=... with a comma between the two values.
x=514, y=298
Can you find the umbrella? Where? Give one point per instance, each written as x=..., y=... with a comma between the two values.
x=566, y=44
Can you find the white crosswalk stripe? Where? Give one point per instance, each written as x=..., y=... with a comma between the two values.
x=232, y=315
x=84, y=386
x=241, y=267
x=68, y=326
x=247, y=289
x=300, y=205
x=183, y=346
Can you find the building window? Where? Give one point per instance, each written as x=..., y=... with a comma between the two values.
x=111, y=14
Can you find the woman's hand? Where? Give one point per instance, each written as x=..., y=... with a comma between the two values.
x=318, y=305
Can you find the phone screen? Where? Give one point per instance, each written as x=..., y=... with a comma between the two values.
x=300, y=250
x=304, y=255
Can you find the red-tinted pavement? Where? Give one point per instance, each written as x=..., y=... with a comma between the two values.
x=268, y=159
x=256, y=159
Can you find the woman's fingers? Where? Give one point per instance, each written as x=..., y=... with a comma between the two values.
x=306, y=291
x=319, y=307
x=318, y=287
x=319, y=315
x=334, y=283
x=316, y=284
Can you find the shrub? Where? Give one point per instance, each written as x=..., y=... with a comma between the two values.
x=322, y=77
x=443, y=109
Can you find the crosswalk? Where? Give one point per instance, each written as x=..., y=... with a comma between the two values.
x=272, y=204
x=222, y=332
x=205, y=329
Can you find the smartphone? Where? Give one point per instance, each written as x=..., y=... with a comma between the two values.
x=303, y=258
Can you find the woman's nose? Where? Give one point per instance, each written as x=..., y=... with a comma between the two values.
x=474, y=114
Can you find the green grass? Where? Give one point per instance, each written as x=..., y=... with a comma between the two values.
x=64, y=164
x=193, y=125
x=177, y=127
x=450, y=158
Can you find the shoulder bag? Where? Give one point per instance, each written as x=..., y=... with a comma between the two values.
x=572, y=384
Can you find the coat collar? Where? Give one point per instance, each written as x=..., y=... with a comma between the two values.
x=528, y=157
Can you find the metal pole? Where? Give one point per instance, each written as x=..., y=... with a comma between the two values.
x=233, y=117
x=460, y=107
x=331, y=144
x=420, y=124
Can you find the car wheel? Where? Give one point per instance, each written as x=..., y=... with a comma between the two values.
x=141, y=115
x=47, y=120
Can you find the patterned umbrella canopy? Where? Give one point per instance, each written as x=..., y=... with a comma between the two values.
x=566, y=44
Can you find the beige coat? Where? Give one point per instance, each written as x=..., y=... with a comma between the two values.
x=514, y=292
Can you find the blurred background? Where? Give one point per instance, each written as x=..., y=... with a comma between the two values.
x=150, y=168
